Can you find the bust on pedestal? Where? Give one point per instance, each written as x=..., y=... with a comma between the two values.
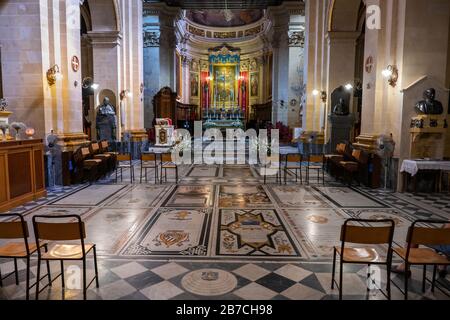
x=341, y=124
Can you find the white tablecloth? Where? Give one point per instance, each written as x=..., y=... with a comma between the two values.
x=413, y=166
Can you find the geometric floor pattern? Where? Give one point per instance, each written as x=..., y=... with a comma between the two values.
x=223, y=234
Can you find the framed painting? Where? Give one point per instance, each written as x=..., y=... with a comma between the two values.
x=254, y=85
x=194, y=84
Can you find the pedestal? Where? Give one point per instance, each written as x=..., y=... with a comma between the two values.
x=340, y=129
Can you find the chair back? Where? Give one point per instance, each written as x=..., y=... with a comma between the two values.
x=15, y=229
x=294, y=157
x=124, y=157
x=360, y=156
x=85, y=152
x=368, y=234
x=148, y=157
x=166, y=157
x=316, y=158
x=340, y=148
x=95, y=147
x=104, y=145
x=59, y=231
x=429, y=236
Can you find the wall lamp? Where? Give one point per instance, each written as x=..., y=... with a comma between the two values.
x=125, y=94
x=323, y=95
x=53, y=74
x=391, y=73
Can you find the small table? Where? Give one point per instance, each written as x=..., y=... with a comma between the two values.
x=412, y=167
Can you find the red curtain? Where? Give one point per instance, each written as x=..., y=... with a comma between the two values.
x=243, y=91
x=205, y=96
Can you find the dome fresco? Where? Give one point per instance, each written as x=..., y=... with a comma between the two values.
x=224, y=17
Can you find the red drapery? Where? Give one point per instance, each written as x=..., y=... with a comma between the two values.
x=205, y=93
x=243, y=92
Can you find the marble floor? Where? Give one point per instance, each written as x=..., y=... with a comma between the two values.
x=220, y=233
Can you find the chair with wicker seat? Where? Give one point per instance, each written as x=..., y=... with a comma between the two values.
x=149, y=161
x=316, y=162
x=73, y=229
x=168, y=164
x=364, y=235
x=414, y=255
x=15, y=229
x=293, y=161
x=272, y=163
x=124, y=161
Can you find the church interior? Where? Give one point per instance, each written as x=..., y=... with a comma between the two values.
x=224, y=150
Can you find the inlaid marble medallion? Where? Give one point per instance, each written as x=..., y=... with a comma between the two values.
x=91, y=196
x=140, y=196
x=317, y=229
x=243, y=197
x=190, y=196
x=256, y=232
x=173, y=232
x=345, y=197
x=209, y=282
x=296, y=196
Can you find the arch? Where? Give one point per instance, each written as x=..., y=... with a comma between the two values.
x=344, y=15
x=86, y=21
x=105, y=15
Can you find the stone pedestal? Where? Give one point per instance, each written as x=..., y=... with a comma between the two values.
x=428, y=136
x=340, y=129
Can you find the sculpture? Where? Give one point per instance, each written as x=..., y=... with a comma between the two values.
x=106, y=121
x=429, y=105
x=3, y=104
x=341, y=109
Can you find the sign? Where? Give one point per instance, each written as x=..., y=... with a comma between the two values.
x=369, y=64
x=75, y=63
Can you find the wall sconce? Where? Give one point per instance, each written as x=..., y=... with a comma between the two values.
x=53, y=74
x=348, y=87
x=323, y=95
x=391, y=73
x=125, y=94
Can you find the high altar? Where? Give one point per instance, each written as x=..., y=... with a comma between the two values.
x=224, y=96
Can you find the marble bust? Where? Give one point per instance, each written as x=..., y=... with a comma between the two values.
x=106, y=121
x=341, y=109
x=429, y=105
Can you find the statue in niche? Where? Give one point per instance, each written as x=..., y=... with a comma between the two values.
x=341, y=109
x=429, y=105
x=106, y=121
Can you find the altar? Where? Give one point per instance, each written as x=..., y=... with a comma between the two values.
x=225, y=97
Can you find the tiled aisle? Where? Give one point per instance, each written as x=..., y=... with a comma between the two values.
x=222, y=234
